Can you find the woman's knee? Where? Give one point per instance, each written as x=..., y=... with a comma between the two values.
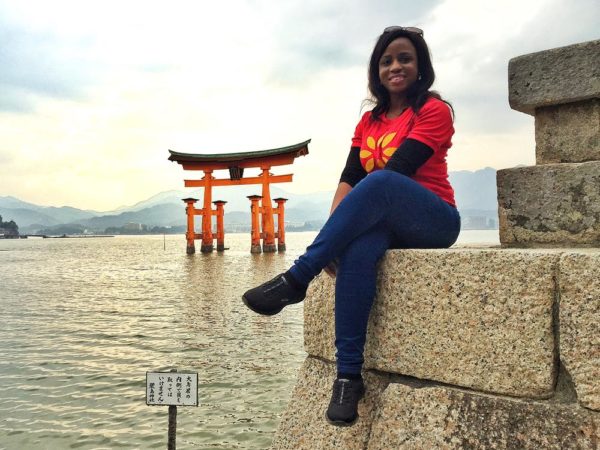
x=385, y=181
x=365, y=251
x=384, y=177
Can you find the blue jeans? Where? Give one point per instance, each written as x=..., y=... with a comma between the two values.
x=385, y=210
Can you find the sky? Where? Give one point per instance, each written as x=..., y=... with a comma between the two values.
x=93, y=94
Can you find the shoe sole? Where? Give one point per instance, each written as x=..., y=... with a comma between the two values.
x=259, y=311
x=340, y=423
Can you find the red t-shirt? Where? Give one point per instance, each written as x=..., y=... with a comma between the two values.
x=379, y=139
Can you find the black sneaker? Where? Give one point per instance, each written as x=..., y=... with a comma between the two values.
x=343, y=407
x=271, y=297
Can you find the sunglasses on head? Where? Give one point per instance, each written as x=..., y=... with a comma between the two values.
x=407, y=29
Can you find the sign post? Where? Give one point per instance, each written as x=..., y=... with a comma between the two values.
x=172, y=389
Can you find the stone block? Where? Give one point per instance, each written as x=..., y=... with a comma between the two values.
x=479, y=318
x=550, y=205
x=579, y=282
x=303, y=425
x=568, y=133
x=443, y=418
x=553, y=77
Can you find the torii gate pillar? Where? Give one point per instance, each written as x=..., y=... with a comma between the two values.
x=190, y=234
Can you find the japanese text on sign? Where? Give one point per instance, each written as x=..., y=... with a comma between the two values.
x=172, y=388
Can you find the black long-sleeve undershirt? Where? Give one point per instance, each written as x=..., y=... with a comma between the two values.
x=411, y=155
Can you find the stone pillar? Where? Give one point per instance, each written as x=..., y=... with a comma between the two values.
x=255, y=217
x=280, y=211
x=556, y=202
x=220, y=212
x=190, y=234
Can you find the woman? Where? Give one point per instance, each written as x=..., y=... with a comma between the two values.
x=407, y=204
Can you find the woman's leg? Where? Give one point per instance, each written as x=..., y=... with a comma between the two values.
x=354, y=293
x=417, y=217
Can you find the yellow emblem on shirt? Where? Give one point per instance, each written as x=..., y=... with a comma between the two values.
x=377, y=154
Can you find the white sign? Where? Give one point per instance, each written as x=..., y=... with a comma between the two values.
x=172, y=388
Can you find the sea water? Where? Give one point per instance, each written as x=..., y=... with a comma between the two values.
x=83, y=320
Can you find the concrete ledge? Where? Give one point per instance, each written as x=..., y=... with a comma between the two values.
x=443, y=418
x=553, y=77
x=580, y=323
x=568, y=133
x=479, y=318
x=303, y=425
x=550, y=205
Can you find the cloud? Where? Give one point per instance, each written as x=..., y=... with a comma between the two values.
x=313, y=36
x=472, y=43
x=6, y=157
x=40, y=64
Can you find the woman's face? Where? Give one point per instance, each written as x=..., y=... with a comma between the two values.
x=398, y=66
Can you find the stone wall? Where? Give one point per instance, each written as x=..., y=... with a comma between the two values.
x=485, y=347
x=466, y=348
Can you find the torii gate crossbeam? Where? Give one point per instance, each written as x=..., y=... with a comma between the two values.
x=236, y=163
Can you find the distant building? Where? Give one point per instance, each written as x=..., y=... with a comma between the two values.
x=474, y=222
x=6, y=233
x=132, y=226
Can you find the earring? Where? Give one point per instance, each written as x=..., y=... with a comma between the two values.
x=419, y=77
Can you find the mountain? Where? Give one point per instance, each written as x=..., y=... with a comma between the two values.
x=235, y=196
x=167, y=214
x=26, y=214
x=160, y=198
x=475, y=196
x=15, y=203
x=475, y=190
x=25, y=217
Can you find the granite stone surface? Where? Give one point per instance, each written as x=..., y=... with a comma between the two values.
x=553, y=77
x=550, y=205
x=303, y=425
x=479, y=318
x=580, y=323
x=568, y=133
x=443, y=418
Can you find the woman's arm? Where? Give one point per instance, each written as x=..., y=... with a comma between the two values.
x=341, y=191
x=353, y=172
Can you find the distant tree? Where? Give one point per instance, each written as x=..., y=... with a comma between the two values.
x=10, y=225
x=9, y=228
x=63, y=229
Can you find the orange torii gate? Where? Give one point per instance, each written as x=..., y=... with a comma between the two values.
x=261, y=206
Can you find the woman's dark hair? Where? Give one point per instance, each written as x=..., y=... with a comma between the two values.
x=418, y=92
